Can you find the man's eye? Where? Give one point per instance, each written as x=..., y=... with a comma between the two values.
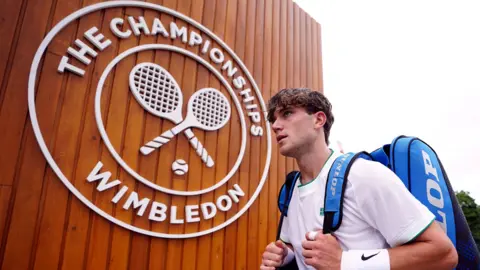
x=287, y=113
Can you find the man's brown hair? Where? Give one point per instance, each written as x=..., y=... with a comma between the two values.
x=311, y=101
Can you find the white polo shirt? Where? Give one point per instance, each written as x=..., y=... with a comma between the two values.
x=378, y=210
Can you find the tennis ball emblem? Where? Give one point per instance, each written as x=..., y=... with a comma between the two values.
x=180, y=167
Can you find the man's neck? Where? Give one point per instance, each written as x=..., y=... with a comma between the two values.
x=312, y=162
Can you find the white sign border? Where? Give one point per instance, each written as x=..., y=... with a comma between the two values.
x=32, y=111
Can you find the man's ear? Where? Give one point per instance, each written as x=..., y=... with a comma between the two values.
x=320, y=119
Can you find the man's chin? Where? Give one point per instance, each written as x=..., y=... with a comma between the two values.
x=286, y=151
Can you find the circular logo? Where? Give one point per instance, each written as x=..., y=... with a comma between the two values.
x=163, y=127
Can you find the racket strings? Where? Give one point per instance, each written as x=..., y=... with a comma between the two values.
x=156, y=89
x=210, y=108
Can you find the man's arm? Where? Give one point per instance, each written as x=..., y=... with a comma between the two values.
x=432, y=249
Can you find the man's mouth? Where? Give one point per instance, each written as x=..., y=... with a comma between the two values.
x=280, y=138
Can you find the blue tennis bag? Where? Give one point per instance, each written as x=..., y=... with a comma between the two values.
x=420, y=169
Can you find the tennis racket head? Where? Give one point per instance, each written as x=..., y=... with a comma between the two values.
x=157, y=91
x=208, y=109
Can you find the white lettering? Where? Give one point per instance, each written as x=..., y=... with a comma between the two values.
x=429, y=169
x=228, y=203
x=65, y=65
x=229, y=66
x=173, y=216
x=158, y=212
x=333, y=188
x=437, y=202
x=434, y=185
x=120, y=194
x=84, y=49
x=133, y=199
x=234, y=193
x=97, y=40
x=103, y=185
x=114, y=28
x=443, y=223
x=195, y=39
x=191, y=212
x=247, y=97
x=255, y=116
x=206, y=45
x=256, y=131
x=208, y=210
x=176, y=32
x=136, y=26
x=158, y=27
x=217, y=56
x=239, y=82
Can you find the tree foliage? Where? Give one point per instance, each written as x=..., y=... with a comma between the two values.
x=471, y=210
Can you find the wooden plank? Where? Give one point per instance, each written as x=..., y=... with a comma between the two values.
x=220, y=138
x=205, y=242
x=230, y=243
x=242, y=175
x=5, y=199
x=303, y=49
x=273, y=174
x=291, y=74
x=319, y=57
x=313, y=33
x=255, y=147
x=252, y=230
x=266, y=67
x=296, y=47
x=11, y=16
x=283, y=40
x=309, y=52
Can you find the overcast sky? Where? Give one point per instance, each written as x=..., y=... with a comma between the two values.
x=405, y=67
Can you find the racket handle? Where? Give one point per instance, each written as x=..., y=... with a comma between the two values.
x=156, y=143
x=199, y=149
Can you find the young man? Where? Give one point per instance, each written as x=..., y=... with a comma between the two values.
x=383, y=225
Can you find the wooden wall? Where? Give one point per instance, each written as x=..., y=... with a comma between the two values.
x=44, y=226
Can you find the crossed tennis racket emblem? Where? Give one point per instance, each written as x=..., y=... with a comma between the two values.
x=157, y=92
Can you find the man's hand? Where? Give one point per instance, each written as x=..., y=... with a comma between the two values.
x=323, y=252
x=273, y=256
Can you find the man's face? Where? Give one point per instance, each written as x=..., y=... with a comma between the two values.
x=295, y=130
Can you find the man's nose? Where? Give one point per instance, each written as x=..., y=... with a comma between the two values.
x=276, y=126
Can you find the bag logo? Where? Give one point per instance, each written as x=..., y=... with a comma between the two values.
x=176, y=111
x=436, y=199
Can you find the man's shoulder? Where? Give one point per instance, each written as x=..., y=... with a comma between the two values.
x=368, y=172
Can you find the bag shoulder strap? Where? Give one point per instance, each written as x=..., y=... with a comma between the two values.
x=284, y=197
x=335, y=189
